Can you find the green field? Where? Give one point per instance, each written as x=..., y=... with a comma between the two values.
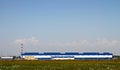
x=60, y=65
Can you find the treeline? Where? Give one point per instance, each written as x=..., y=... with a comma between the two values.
x=116, y=57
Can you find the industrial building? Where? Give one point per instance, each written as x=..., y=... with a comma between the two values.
x=67, y=56
x=6, y=58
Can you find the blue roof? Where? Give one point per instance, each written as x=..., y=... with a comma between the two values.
x=66, y=53
x=31, y=53
x=52, y=53
x=107, y=53
x=90, y=53
x=71, y=53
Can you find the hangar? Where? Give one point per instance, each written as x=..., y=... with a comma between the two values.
x=67, y=56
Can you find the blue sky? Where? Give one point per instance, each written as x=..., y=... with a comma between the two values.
x=51, y=21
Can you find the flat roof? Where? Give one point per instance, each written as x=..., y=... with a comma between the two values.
x=67, y=53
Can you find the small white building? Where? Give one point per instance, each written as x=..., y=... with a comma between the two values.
x=6, y=58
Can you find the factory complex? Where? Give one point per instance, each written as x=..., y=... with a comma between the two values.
x=66, y=56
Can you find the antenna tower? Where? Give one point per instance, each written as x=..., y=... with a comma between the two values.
x=21, y=49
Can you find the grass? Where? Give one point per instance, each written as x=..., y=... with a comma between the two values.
x=61, y=65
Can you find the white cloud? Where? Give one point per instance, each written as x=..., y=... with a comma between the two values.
x=32, y=41
x=106, y=42
x=77, y=43
x=81, y=43
x=99, y=45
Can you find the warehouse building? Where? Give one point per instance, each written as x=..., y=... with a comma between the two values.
x=67, y=56
x=7, y=58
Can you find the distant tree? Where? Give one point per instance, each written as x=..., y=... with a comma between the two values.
x=116, y=57
x=14, y=57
